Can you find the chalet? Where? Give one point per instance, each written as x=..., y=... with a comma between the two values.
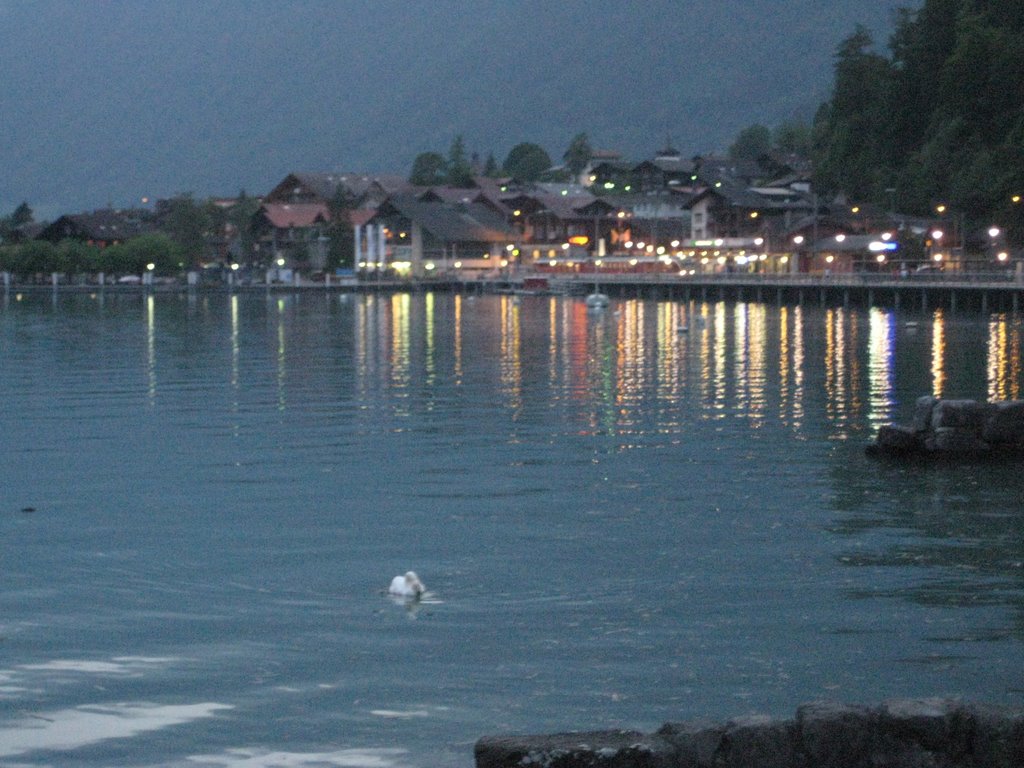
x=729, y=209
x=102, y=227
x=413, y=236
x=666, y=170
x=357, y=189
x=292, y=232
x=546, y=222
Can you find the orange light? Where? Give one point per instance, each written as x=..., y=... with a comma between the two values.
x=579, y=239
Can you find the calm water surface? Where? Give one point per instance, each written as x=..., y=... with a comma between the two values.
x=619, y=523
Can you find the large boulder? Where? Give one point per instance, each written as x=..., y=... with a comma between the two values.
x=1005, y=424
x=593, y=749
x=834, y=735
x=923, y=413
x=965, y=415
x=896, y=440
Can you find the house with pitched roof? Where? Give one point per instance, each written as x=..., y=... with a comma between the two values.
x=423, y=237
x=102, y=228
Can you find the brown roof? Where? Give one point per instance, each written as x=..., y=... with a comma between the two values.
x=284, y=215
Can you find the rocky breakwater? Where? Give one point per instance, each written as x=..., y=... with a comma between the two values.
x=955, y=428
x=925, y=733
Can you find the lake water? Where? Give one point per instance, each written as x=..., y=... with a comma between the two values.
x=619, y=523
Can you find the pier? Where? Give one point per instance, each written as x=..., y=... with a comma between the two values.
x=958, y=292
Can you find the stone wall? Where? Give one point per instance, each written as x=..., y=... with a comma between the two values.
x=926, y=733
x=957, y=428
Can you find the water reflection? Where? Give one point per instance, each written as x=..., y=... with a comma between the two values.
x=938, y=367
x=881, y=348
x=1004, y=364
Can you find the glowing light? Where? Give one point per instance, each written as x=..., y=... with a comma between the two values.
x=759, y=241
x=674, y=243
x=579, y=240
x=151, y=266
x=234, y=267
x=937, y=234
x=783, y=259
x=457, y=265
x=880, y=258
x=1002, y=256
x=855, y=209
x=632, y=262
x=840, y=237
x=280, y=263
x=510, y=247
x=429, y=266
x=937, y=257
x=993, y=232
x=887, y=235
x=753, y=214
x=565, y=246
x=829, y=259
x=940, y=208
x=799, y=239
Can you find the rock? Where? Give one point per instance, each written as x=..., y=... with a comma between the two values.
x=1005, y=424
x=696, y=742
x=757, y=742
x=955, y=440
x=921, y=731
x=923, y=413
x=966, y=415
x=594, y=749
x=998, y=737
x=894, y=439
x=833, y=735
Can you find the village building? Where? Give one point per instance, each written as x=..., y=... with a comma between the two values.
x=100, y=228
x=410, y=236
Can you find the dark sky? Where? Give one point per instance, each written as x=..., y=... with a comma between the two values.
x=107, y=102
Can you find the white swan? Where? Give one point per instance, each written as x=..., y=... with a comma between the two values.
x=408, y=586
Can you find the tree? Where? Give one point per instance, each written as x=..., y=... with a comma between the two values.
x=240, y=218
x=527, y=162
x=491, y=169
x=792, y=138
x=578, y=154
x=186, y=223
x=340, y=233
x=9, y=224
x=458, y=170
x=428, y=170
x=752, y=143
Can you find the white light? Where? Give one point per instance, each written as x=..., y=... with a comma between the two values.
x=887, y=235
x=840, y=238
x=993, y=232
x=759, y=241
x=937, y=234
x=429, y=266
x=799, y=239
x=151, y=266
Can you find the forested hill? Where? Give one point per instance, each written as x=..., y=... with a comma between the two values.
x=938, y=118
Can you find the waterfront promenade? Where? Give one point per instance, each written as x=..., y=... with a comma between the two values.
x=960, y=291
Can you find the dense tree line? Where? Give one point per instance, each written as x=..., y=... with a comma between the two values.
x=939, y=119
x=526, y=161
